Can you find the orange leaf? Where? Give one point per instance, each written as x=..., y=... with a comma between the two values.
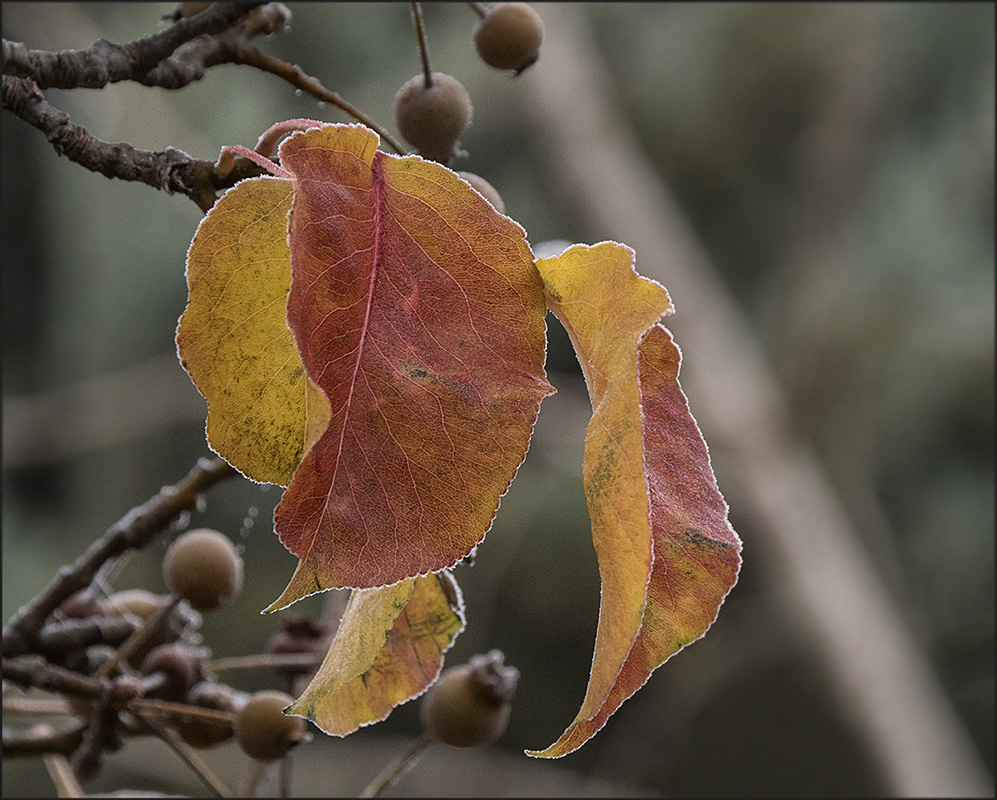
x=667, y=555
x=417, y=311
x=388, y=649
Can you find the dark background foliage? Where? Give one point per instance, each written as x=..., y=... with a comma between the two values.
x=875, y=303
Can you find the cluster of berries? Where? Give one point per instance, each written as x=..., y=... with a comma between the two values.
x=166, y=661
x=433, y=111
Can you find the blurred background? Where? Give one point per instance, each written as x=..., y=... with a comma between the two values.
x=829, y=169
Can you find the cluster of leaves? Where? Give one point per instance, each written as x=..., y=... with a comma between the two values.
x=370, y=332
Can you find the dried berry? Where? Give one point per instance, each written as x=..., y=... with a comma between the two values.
x=203, y=733
x=432, y=119
x=262, y=729
x=509, y=36
x=180, y=667
x=204, y=568
x=297, y=635
x=143, y=605
x=84, y=603
x=469, y=705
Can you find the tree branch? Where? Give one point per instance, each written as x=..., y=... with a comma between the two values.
x=42, y=738
x=170, y=170
x=104, y=62
x=51, y=678
x=134, y=530
x=170, y=60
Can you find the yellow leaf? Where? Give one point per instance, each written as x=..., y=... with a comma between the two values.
x=388, y=649
x=233, y=338
x=605, y=307
x=667, y=555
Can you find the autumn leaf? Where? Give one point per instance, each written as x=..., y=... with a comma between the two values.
x=667, y=554
x=418, y=312
x=233, y=337
x=388, y=649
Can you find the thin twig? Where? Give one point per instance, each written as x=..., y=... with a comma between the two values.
x=139, y=637
x=391, y=773
x=294, y=75
x=284, y=775
x=258, y=778
x=102, y=735
x=134, y=530
x=57, y=639
x=170, y=170
x=187, y=755
x=62, y=775
x=266, y=661
x=167, y=708
x=420, y=30
x=51, y=678
x=42, y=738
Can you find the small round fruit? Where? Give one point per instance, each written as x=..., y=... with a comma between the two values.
x=469, y=705
x=135, y=602
x=203, y=733
x=433, y=119
x=178, y=664
x=263, y=731
x=509, y=36
x=204, y=568
x=485, y=189
x=142, y=605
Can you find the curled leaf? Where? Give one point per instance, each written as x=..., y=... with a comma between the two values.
x=667, y=554
x=387, y=650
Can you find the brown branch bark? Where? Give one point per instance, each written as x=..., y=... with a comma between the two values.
x=51, y=678
x=104, y=62
x=170, y=170
x=172, y=59
x=134, y=530
x=42, y=738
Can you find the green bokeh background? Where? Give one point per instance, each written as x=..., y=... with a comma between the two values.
x=884, y=344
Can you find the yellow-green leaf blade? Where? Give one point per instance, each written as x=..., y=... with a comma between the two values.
x=680, y=514
x=605, y=307
x=361, y=681
x=233, y=337
x=696, y=552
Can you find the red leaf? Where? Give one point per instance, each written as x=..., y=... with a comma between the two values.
x=418, y=312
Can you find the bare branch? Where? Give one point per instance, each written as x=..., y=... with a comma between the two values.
x=42, y=738
x=51, y=678
x=56, y=639
x=62, y=775
x=104, y=62
x=187, y=755
x=170, y=170
x=134, y=530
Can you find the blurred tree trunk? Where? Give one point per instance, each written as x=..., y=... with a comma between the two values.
x=880, y=678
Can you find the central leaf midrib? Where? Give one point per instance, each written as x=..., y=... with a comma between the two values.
x=378, y=186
